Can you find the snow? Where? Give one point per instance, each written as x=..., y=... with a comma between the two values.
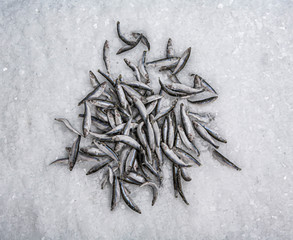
x=243, y=48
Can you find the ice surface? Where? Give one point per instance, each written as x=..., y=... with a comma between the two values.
x=243, y=48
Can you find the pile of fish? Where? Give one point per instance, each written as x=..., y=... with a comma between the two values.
x=133, y=132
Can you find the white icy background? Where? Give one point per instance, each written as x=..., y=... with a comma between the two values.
x=243, y=48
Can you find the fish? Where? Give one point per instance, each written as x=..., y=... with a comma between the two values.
x=180, y=191
x=126, y=132
x=185, y=175
x=68, y=125
x=171, y=130
x=127, y=140
x=163, y=62
x=111, y=119
x=124, y=39
x=121, y=95
x=98, y=166
x=106, y=149
x=101, y=137
x=214, y=134
x=87, y=120
x=179, y=87
x=186, y=141
x=127, y=199
x=187, y=125
x=142, y=68
x=101, y=115
x=144, y=39
x=98, y=123
x=172, y=156
x=95, y=94
x=134, y=68
x=165, y=131
x=199, y=82
x=185, y=155
x=93, y=151
x=201, y=117
x=119, y=128
x=202, y=101
x=106, y=56
x=128, y=47
x=203, y=133
x=164, y=111
x=103, y=104
x=130, y=160
x=118, y=118
x=157, y=131
x=93, y=79
x=223, y=159
x=170, y=49
x=150, y=134
x=108, y=77
x=73, y=154
x=171, y=92
x=141, y=108
x=155, y=190
x=115, y=193
x=182, y=62
x=175, y=183
x=139, y=85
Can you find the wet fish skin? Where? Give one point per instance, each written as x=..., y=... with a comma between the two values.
x=118, y=118
x=74, y=153
x=60, y=160
x=219, y=156
x=139, y=85
x=68, y=125
x=87, y=120
x=130, y=159
x=101, y=137
x=129, y=202
x=121, y=95
x=157, y=131
x=182, y=62
x=203, y=133
x=200, y=82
